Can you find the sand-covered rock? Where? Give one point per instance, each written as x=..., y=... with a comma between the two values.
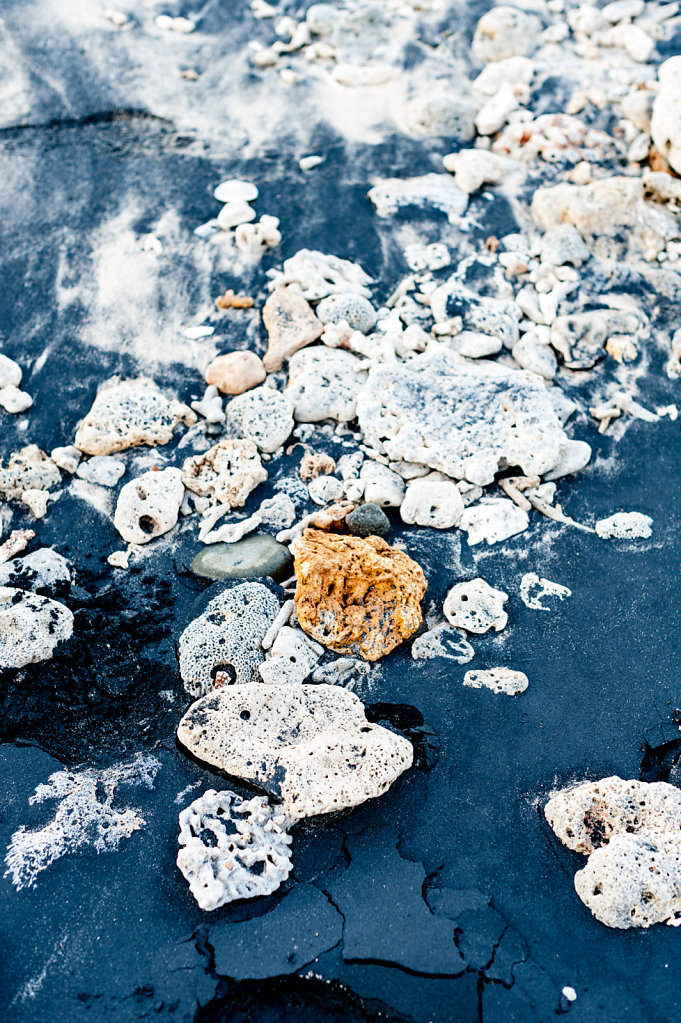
x=148, y=506
x=127, y=413
x=309, y=746
x=290, y=323
x=227, y=636
x=631, y=832
x=356, y=595
x=466, y=421
x=227, y=473
x=30, y=627
x=232, y=848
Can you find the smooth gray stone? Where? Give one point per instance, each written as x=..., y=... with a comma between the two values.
x=250, y=558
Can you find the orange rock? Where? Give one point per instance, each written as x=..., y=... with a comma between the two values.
x=356, y=595
x=315, y=463
x=235, y=372
x=291, y=324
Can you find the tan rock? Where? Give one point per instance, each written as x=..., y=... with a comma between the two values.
x=235, y=372
x=356, y=595
x=315, y=463
x=290, y=323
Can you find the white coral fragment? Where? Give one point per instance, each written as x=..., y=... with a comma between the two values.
x=232, y=848
x=499, y=680
x=533, y=590
x=476, y=607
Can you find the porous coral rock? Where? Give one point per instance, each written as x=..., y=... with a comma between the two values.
x=148, y=506
x=310, y=746
x=315, y=463
x=262, y=415
x=44, y=569
x=291, y=324
x=492, y=520
x=476, y=606
x=625, y=526
x=232, y=848
x=128, y=413
x=356, y=595
x=473, y=168
x=227, y=473
x=30, y=627
x=581, y=337
x=432, y=501
x=103, y=470
x=228, y=633
x=324, y=489
x=467, y=421
x=14, y=401
x=292, y=657
x=631, y=831
x=533, y=590
x=496, y=319
x=355, y=310
x=28, y=469
x=324, y=383
x=235, y=372
x=382, y=485
x=319, y=274
x=499, y=680
x=442, y=641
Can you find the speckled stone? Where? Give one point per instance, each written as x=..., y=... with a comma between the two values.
x=368, y=520
x=250, y=558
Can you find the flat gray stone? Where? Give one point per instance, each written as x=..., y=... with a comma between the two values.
x=254, y=557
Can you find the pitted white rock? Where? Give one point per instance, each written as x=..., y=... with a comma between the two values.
x=291, y=659
x=382, y=486
x=228, y=633
x=30, y=627
x=262, y=415
x=324, y=383
x=492, y=520
x=226, y=474
x=355, y=310
x=148, y=506
x=310, y=746
x=476, y=607
x=432, y=501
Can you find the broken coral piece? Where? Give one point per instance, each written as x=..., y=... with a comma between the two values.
x=232, y=848
x=310, y=746
x=356, y=595
x=127, y=413
x=227, y=473
x=499, y=680
x=630, y=832
x=149, y=505
x=476, y=607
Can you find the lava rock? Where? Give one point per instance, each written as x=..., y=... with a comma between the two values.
x=368, y=520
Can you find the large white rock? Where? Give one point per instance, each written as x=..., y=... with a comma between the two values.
x=30, y=627
x=232, y=848
x=631, y=832
x=228, y=634
x=465, y=420
x=148, y=506
x=310, y=746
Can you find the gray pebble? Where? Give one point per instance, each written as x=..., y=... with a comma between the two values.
x=368, y=520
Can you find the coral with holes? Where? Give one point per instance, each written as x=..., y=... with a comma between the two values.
x=227, y=473
x=128, y=413
x=309, y=746
x=356, y=595
x=232, y=848
x=468, y=422
x=30, y=627
x=228, y=634
x=476, y=606
x=148, y=506
x=631, y=832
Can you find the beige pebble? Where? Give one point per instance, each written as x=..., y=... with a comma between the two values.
x=235, y=372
